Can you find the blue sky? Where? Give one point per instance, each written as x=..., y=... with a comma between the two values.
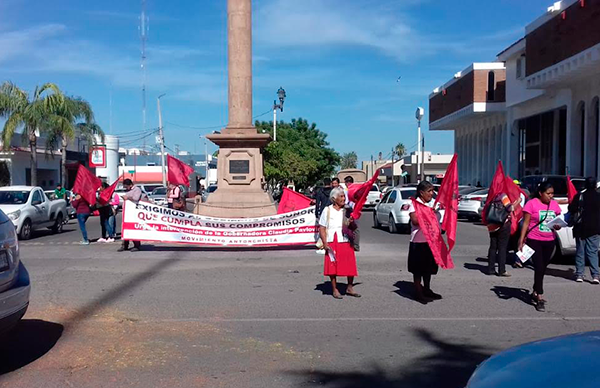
x=338, y=60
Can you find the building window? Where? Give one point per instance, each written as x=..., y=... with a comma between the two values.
x=521, y=67
x=491, y=86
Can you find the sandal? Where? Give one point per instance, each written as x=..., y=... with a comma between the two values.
x=354, y=294
x=338, y=296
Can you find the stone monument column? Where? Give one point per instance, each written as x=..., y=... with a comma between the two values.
x=240, y=163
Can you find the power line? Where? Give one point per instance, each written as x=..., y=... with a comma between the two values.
x=214, y=126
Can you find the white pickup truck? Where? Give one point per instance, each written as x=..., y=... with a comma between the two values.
x=29, y=208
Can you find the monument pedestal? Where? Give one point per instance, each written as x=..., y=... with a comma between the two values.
x=240, y=183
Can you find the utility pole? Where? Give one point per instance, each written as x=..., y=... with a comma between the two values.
x=162, y=142
x=206, y=157
x=143, y=27
x=423, y=158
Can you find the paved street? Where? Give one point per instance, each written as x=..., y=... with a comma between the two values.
x=188, y=317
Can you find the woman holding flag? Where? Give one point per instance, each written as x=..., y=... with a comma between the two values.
x=421, y=261
x=335, y=233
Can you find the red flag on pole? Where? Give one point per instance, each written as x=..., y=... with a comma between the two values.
x=107, y=194
x=291, y=200
x=497, y=187
x=429, y=224
x=358, y=192
x=86, y=184
x=514, y=194
x=448, y=197
x=179, y=172
x=571, y=190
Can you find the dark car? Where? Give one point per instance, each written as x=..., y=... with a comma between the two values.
x=559, y=362
x=14, y=279
x=559, y=182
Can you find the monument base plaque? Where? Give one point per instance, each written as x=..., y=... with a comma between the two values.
x=240, y=192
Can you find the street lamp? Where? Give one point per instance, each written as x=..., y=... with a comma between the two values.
x=281, y=96
x=420, y=170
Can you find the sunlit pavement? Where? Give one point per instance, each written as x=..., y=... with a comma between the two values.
x=187, y=317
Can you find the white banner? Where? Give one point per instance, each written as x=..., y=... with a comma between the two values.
x=148, y=222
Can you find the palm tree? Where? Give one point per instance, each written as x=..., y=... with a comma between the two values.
x=74, y=117
x=31, y=113
x=400, y=150
x=349, y=160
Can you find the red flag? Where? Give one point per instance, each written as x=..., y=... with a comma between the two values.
x=107, y=194
x=86, y=184
x=497, y=187
x=514, y=194
x=429, y=224
x=571, y=190
x=291, y=200
x=358, y=193
x=448, y=197
x=179, y=172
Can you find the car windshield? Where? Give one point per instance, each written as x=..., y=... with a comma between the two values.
x=212, y=189
x=160, y=191
x=14, y=197
x=407, y=194
x=559, y=183
x=151, y=188
x=374, y=188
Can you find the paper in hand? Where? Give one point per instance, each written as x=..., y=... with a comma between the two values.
x=331, y=255
x=525, y=254
x=560, y=221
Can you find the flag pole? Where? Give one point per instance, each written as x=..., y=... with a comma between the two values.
x=162, y=142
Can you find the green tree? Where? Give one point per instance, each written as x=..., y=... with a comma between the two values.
x=301, y=153
x=74, y=117
x=400, y=150
x=349, y=160
x=30, y=112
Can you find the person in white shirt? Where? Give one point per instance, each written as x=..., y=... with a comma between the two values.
x=348, y=181
x=340, y=259
x=421, y=262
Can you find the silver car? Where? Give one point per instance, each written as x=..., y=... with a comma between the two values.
x=159, y=196
x=468, y=205
x=14, y=278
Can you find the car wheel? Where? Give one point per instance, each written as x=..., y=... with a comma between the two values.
x=58, y=226
x=25, y=230
x=376, y=223
x=392, y=225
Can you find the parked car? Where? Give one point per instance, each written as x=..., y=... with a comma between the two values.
x=535, y=364
x=392, y=210
x=149, y=188
x=14, y=279
x=468, y=205
x=71, y=212
x=373, y=197
x=206, y=193
x=159, y=196
x=29, y=208
x=465, y=190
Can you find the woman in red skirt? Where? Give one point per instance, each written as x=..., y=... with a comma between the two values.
x=339, y=253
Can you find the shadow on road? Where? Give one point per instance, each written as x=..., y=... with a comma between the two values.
x=507, y=293
x=568, y=274
x=41, y=233
x=326, y=288
x=449, y=365
x=126, y=286
x=28, y=341
x=406, y=290
x=477, y=267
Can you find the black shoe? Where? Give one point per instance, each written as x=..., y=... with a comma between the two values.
x=540, y=306
x=122, y=249
x=430, y=294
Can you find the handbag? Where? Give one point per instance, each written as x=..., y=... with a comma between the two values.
x=496, y=213
x=576, y=217
x=178, y=204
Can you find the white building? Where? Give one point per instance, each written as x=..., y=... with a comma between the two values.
x=544, y=118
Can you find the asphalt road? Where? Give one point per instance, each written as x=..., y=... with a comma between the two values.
x=189, y=317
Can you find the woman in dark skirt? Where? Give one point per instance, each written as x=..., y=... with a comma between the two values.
x=421, y=262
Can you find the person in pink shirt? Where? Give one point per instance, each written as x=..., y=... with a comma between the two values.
x=539, y=237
